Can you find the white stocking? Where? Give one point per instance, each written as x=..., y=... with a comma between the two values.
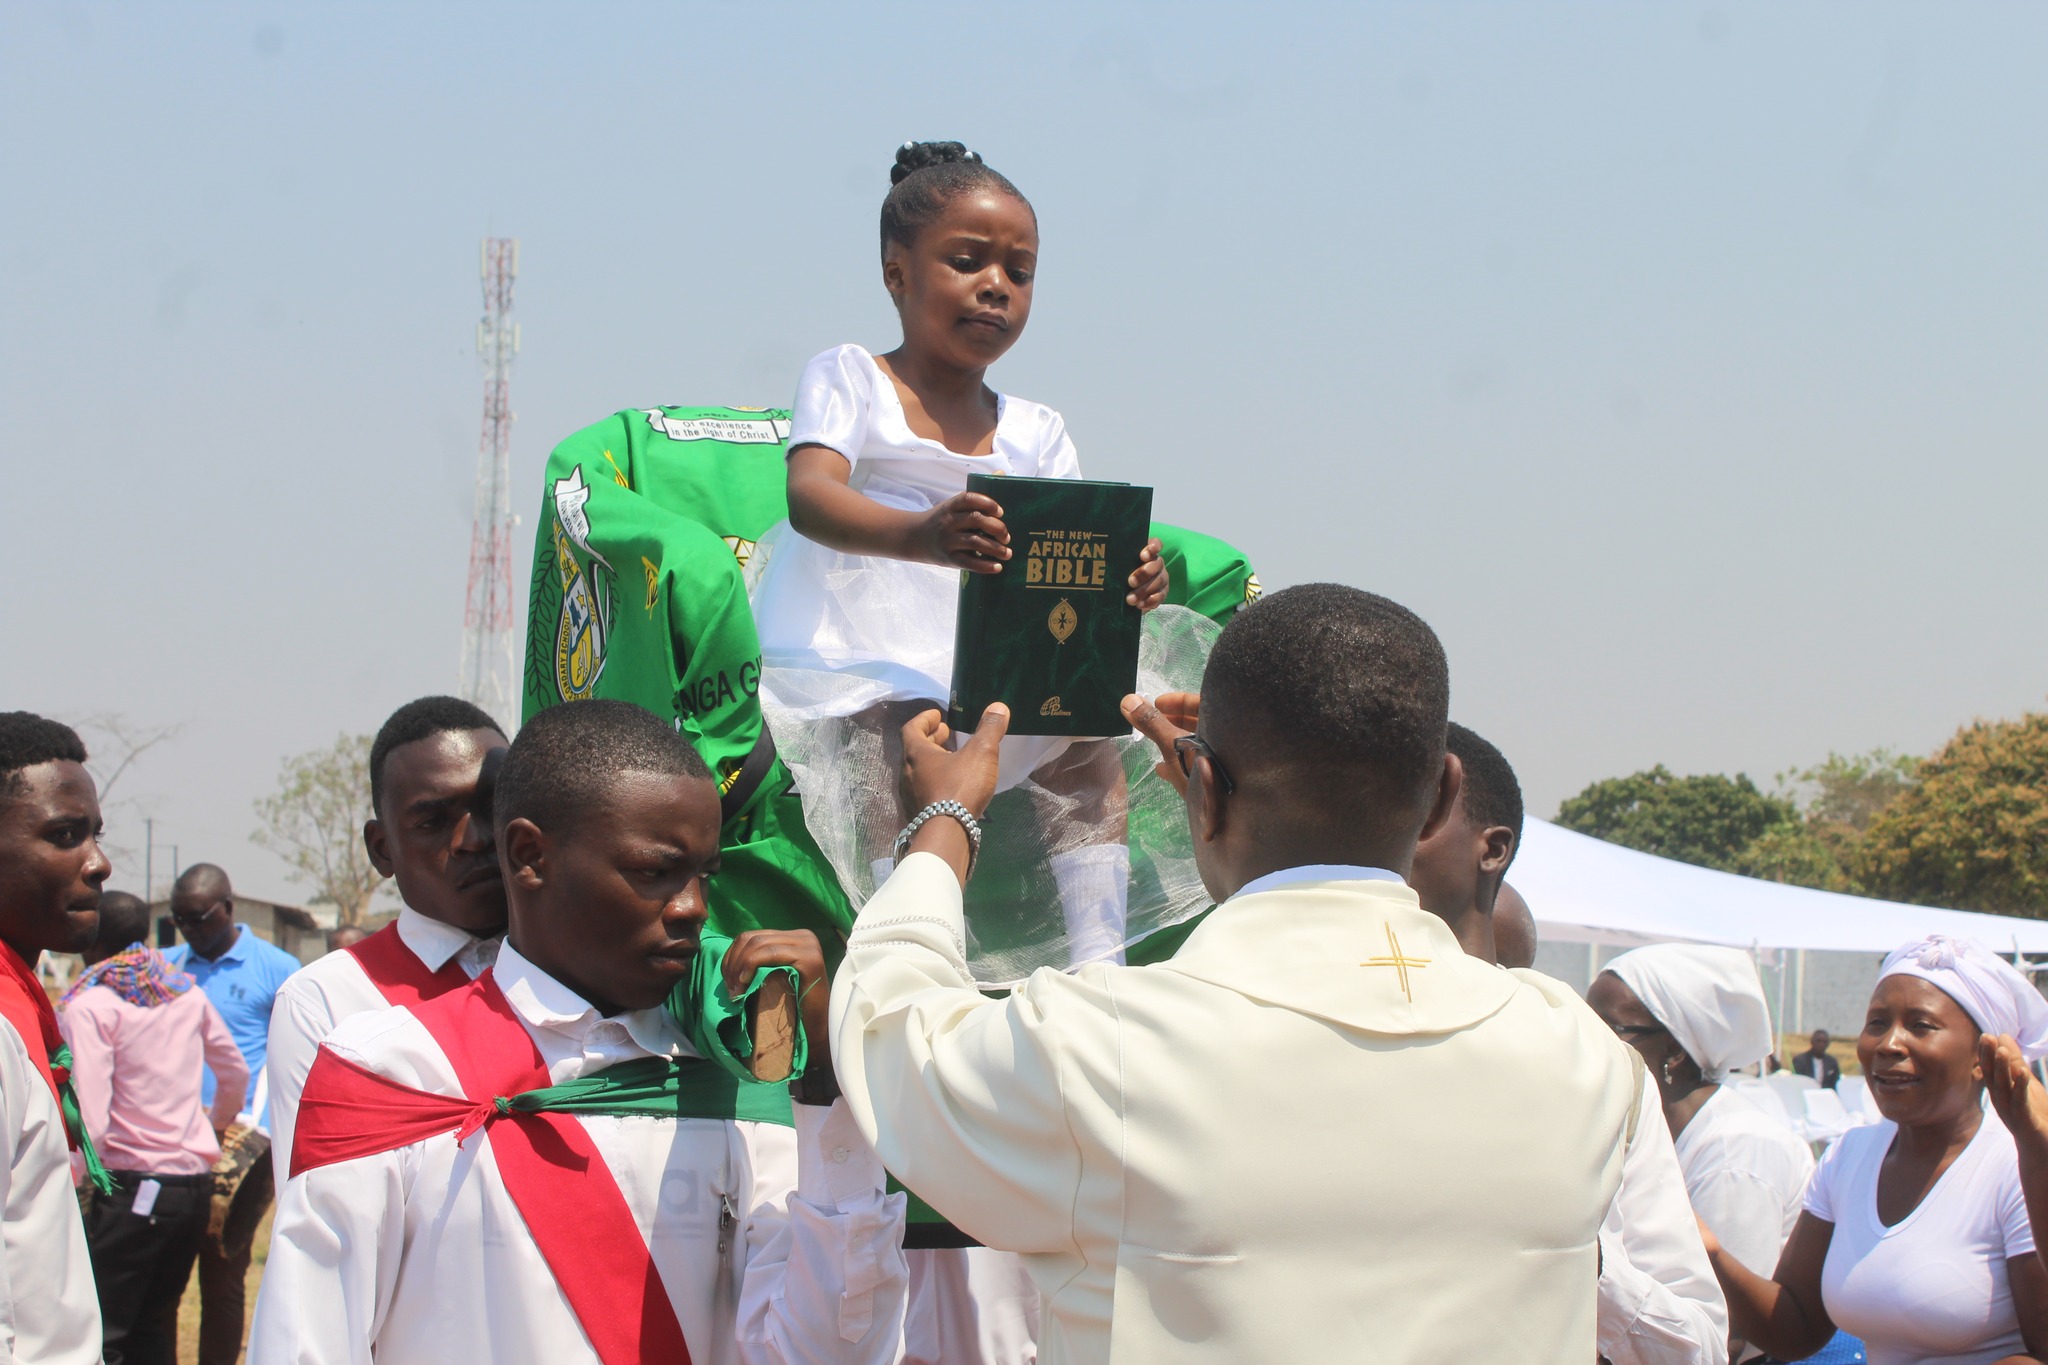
x=1094, y=884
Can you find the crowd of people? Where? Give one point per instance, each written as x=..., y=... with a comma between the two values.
x=550, y=1113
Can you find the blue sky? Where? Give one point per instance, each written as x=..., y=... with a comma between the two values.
x=1681, y=363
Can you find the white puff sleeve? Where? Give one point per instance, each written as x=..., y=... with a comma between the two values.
x=1057, y=458
x=834, y=400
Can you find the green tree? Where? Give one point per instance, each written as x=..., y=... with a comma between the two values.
x=1798, y=855
x=1708, y=819
x=1972, y=832
x=314, y=821
x=1850, y=791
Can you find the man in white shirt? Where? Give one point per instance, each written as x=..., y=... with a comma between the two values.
x=51, y=872
x=432, y=1217
x=1659, y=1301
x=1286, y=1142
x=430, y=832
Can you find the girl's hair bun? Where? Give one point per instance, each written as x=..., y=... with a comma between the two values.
x=912, y=157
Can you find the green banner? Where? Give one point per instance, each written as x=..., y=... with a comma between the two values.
x=636, y=599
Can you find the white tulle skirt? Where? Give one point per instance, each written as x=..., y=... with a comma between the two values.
x=843, y=634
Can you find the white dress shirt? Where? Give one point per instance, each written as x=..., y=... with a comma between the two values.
x=335, y=987
x=49, y=1311
x=1659, y=1301
x=775, y=1246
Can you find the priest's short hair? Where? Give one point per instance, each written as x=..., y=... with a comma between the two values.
x=1342, y=694
x=568, y=758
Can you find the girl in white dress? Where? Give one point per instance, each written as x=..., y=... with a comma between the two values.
x=855, y=595
x=1915, y=1234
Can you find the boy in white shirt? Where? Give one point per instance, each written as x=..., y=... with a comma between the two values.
x=430, y=1218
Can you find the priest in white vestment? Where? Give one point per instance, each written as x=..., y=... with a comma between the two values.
x=1321, y=1131
x=430, y=832
x=560, y=1234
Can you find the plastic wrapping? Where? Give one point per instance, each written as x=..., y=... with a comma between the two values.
x=1049, y=840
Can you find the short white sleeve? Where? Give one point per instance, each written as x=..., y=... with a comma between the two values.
x=1820, y=1191
x=834, y=402
x=1057, y=458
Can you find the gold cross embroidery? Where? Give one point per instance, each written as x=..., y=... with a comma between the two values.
x=1399, y=963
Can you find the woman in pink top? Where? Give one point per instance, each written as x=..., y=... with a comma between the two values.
x=138, y=1033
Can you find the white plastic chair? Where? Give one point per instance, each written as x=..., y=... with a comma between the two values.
x=1764, y=1096
x=1827, y=1118
x=1855, y=1093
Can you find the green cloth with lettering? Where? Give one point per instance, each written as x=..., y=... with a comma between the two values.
x=637, y=595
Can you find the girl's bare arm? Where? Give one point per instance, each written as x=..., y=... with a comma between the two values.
x=966, y=530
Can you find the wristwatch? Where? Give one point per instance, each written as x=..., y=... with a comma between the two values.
x=817, y=1085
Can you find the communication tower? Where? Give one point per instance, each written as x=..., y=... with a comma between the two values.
x=490, y=661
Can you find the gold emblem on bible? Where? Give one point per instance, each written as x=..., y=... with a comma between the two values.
x=1062, y=621
x=1053, y=707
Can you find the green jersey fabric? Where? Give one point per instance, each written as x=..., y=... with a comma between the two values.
x=1205, y=574
x=634, y=599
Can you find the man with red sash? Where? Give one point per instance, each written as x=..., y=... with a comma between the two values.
x=51, y=871
x=430, y=832
x=546, y=1165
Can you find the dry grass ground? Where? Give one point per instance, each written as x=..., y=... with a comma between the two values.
x=188, y=1311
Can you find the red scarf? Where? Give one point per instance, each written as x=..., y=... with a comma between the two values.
x=397, y=971
x=26, y=1005
x=557, y=1178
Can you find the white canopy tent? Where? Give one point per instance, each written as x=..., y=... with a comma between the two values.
x=1583, y=890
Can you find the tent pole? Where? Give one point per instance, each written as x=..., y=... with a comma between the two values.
x=1592, y=963
x=1799, y=995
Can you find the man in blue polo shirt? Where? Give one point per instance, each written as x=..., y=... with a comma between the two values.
x=240, y=974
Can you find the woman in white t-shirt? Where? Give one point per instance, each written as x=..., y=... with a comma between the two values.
x=1915, y=1234
x=1696, y=1013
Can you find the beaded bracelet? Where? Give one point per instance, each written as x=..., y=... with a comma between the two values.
x=958, y=812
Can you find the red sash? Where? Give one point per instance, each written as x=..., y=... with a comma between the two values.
x=26, y=1005
x=398, y=972
x=556, y=1176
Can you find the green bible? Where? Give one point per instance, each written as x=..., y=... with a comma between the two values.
x=1051, y=636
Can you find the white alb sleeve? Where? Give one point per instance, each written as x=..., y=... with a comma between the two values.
x=833, y=400
x=825, y=1275
x=959, y=1093
x=335, y=1250
x=1659, y=1301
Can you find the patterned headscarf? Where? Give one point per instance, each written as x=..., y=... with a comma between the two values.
x=1991, y=990
x=138, y=974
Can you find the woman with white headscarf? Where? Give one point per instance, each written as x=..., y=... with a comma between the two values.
x=1915, y=1235
x=1696, y=1014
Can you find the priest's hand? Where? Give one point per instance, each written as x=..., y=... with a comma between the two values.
x=1150, y=580
x=798, y=948
x=934, y=771
x=1163, y=721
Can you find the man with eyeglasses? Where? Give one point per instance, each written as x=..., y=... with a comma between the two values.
x=241, y=974
x=1321, y=1131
